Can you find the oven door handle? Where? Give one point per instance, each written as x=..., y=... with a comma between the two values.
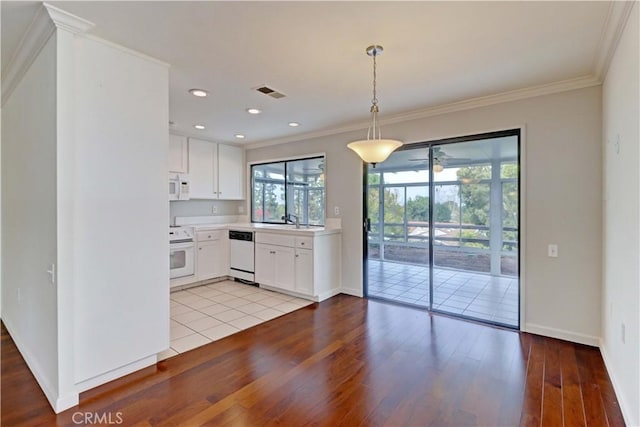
x=181, y=245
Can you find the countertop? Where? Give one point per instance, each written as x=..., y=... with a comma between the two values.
x=269, y=228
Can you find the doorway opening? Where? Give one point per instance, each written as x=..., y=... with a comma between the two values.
x=443, y=227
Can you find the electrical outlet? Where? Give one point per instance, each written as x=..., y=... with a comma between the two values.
x=336, y=210
x=214, y=209
x=623, y=333
x=552, y=251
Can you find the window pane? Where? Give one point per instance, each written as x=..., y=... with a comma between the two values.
x=257, y=213
x=510, y=216
x=475, y=215
x=473, y=174
x=373, y=178
x=301, y=194
x=418, y=204
x=374, y=204
x=394, y=213
x=268, y=192
x=446, y=209
x=509, y=170
x=407, y=177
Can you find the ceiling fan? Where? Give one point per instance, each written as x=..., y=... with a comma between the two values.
x=320, y=168
x=440, y=159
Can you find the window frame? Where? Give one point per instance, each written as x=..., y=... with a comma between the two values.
x=289, y=187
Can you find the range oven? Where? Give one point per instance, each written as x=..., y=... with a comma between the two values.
x=181, y=252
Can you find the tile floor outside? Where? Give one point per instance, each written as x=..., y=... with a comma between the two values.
x=207, y=313
x=477, y=295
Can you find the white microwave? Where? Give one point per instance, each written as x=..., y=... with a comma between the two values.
x=178, y=186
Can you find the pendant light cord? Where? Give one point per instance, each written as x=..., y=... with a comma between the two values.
x=374, y=102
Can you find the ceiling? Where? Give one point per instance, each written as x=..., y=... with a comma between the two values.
x=435, y=53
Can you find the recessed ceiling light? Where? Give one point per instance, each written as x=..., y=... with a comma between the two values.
x=200, y=93
x=253, y=111
x=239, y=136
x=294, y=124
x=199, y=127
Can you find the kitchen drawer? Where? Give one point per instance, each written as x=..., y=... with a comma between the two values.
x=204, y=236
x=304, y=242
x=275, y=239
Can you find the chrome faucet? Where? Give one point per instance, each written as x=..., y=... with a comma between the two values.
x=288, y=219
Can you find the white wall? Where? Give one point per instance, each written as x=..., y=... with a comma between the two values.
x=563, y=180
x=121, y=261
x=29, y=301
x=621, y=294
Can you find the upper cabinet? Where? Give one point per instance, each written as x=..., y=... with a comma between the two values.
x=178, y=154
x=230, y=172
x=216, y=171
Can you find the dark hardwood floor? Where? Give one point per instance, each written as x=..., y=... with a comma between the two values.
x=345, y=362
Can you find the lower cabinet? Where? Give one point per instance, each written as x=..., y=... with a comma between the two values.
x=274, y=266
x=304, y=271
x=304, y=266
x=212, y=258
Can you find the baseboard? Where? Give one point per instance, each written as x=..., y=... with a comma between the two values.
x=58, y=403
x=562, y=334
x=116, y=373
x=353, y=292
x=624, y=407
x=331, y=293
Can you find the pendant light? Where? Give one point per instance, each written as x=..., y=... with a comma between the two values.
x=437, y=166
x=374, y=149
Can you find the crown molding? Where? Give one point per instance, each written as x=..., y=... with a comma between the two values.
x=45, y=21
x=617, y=18
x=32, y=42
x=67, y=21
x=483, y=101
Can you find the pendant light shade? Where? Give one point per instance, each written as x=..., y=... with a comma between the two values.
x=437, y=166
x=374, y=149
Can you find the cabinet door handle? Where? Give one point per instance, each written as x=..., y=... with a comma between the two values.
x=302, y=243
x=297, y=256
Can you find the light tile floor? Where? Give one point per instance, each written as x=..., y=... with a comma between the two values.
x=207, y=313
x=477, y=295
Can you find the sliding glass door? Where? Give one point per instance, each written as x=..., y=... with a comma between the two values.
x=444, y=227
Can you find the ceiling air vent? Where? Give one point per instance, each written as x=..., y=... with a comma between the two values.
x=270, y=92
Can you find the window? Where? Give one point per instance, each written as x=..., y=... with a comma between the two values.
x=293, y=187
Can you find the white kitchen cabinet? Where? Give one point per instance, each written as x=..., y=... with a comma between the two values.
x=216, y=170
x=212, y=259
x=265, y=267
x=178, y=154
x=230, y=172
x=275, y=266
x=304, y=271
x=304, y=266
x=203, y=169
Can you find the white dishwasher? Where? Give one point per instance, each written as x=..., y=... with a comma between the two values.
x=241, y=255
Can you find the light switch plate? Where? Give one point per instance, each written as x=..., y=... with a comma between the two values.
x=553, y=251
